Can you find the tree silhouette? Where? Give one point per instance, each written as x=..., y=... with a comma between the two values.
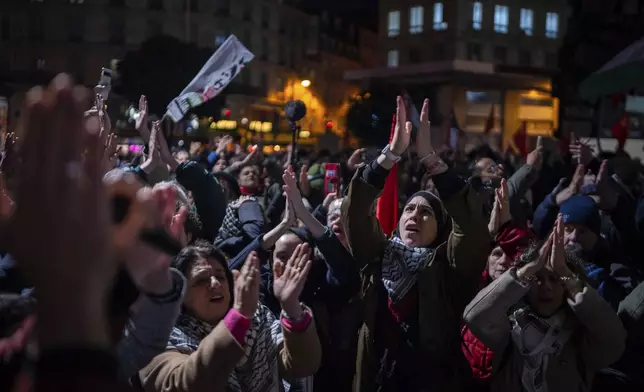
x=369, y=116
x=161, y=68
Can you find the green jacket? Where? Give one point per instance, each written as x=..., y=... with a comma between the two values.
x=445, y=286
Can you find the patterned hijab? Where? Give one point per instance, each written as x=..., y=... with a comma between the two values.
x=402, y=264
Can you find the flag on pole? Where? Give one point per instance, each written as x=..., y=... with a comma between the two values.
x=226, y=63
x=520, y=139
x=620, y=131
x=387, y=206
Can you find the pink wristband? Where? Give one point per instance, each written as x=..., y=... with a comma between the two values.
x=300, y=325
x=237, y=324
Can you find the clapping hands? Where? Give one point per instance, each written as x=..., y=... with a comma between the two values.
x=247, y=286
x=289, y=280
x=500, y=210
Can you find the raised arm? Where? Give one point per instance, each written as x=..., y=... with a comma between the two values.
x=469, y=242
x=366, y=238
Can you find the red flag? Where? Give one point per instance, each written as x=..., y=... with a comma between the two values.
x=387, y=207
x=520, y=139
x=620, y=131
x=489, y=124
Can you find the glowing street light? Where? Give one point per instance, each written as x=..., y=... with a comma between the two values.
x=306, y=83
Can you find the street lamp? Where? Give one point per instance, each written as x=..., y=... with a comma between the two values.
x=306, y=83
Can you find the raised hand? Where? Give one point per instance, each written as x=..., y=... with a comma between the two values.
x=290, y=216
x=557, y=260
x=291, y=189
x=607, y=196
x=529, y=270
x=402, y=129
x=109, y=152
x=535, y=157
x=423, y=139
x=61, y=200
x=223, y=143
x=330, y=198
x=141, y=123
x=289, y=280
x=305, y=186
x=501, y=209
x=247, y=286
x=581, y=152
x=573, y=188
x=355, y=160
x=154, y=158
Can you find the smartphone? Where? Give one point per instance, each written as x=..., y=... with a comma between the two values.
x=331, y=177
x=104, y=83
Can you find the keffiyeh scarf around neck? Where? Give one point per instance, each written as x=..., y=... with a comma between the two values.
x=257, y=371
x=401, y=265
x=538, y=339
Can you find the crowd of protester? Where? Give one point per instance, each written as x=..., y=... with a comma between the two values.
x=219, y=269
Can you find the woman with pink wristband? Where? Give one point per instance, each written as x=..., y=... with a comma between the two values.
x=225, y=340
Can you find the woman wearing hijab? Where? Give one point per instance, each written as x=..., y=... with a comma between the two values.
x=416, y=283
x=225, y=340
x=549, y=329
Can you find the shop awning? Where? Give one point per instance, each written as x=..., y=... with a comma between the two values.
x=624, y=72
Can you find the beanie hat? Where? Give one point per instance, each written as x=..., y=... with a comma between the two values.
x=582, y=210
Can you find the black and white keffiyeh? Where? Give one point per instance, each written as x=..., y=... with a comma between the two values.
x=231, y=225
x=257, y=371
x=401, y=265
x=538, y=339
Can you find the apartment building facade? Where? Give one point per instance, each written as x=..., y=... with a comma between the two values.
x=475, y=55
x=39, y=38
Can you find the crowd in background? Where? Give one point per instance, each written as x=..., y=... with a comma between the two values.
x=218, y=268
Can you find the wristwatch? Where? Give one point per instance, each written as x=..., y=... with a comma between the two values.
x=390, y=155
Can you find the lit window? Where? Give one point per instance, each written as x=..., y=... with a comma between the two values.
x=477, y=15
x=392, y=58
x=439, y=23
x=552, y=24
x=393, y=24
x=416, y=19
x=501, y=19
x=527, y=21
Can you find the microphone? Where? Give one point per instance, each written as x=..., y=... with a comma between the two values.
x=295, y=111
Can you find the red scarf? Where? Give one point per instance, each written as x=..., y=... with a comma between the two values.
x=248, y=192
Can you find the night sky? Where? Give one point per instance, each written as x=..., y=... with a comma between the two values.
x=363, y=12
